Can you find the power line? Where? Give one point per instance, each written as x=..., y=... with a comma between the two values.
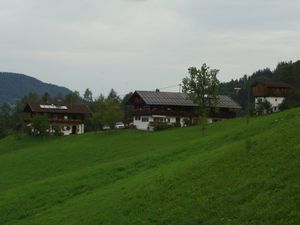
x=171, y=86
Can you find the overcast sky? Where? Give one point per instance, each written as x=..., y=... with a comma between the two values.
x=144, y=44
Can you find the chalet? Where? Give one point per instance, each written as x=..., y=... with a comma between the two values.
x=151, y=108
x=70, y=118
x=271, y=91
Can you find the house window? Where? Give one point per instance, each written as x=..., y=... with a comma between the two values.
x=159, y=119
x=145, y=119
x=67, y=128
x=275, y=99
x=137, y=118
x=65, y=117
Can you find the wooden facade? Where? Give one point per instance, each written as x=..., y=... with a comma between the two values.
x=70, y=118
x=150, y=108
x=273, y=92
x=269, y=89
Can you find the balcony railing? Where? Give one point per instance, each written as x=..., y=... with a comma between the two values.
x=148, y=112
x=59, y=121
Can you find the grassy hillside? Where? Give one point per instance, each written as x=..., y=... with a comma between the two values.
x=237, y=174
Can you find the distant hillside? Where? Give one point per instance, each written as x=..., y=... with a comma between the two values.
x=14, y=86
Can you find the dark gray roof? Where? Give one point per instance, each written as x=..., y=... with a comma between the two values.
x=227, y=102
x=181, y=99
x=165, y=98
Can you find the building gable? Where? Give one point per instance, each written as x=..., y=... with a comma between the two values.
x=65, y=109
x=269, y=88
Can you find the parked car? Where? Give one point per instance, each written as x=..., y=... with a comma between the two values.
x=119, y=125
x=129, y=125
x=106, y=127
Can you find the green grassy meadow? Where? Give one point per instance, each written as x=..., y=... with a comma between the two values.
x=236, y=174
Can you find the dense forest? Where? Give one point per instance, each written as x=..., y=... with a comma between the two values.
x=288, y=72
x=15, y=86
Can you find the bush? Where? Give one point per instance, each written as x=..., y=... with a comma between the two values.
x=57, y=130
x=162, y=127
x=40, y=125
x=263, y=107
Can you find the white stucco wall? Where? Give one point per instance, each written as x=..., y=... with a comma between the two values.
x=172, y=119
x=65, y=131
x=275, y=102
x=79, y=129
x=140, y=125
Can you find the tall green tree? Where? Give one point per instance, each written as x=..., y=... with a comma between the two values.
x=46, y=98
x=126, y=108
x=109, y=113
x=202, y=87
x=5, y=119
x=5, y=110
x=289, y=72
x=40, y=125
x=113, y=95
x=73, y=97
x=88, y=95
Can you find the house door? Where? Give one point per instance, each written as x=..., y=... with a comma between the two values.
x=74, y=129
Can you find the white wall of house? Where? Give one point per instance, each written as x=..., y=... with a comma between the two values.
x=172, y=119
x=67, y=129
x=182, y=121
x=80, y=129
x=275, y=102
x=142, y=122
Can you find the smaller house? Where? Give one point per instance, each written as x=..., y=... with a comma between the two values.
x=70, y=118
x=152, y=108
x=271, y=91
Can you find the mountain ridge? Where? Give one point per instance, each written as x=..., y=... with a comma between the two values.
x=14, y=86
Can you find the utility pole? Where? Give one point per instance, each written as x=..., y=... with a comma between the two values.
x=248, y=100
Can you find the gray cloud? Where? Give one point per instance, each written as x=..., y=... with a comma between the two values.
x=131, y=44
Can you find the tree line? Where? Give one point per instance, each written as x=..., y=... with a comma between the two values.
x=105, y=110
x=287, y=72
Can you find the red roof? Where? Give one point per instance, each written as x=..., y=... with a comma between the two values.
x=68, y=109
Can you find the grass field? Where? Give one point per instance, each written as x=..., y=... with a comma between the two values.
x=237, y=174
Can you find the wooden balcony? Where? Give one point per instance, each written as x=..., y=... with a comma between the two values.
x=149, y=112
x=58, y=121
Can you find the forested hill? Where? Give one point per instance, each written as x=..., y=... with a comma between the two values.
x=14, y=86
x=288, y=72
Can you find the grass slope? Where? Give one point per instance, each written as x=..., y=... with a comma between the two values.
x=235, y=174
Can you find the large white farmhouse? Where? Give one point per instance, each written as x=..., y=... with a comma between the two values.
x=152, y=108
